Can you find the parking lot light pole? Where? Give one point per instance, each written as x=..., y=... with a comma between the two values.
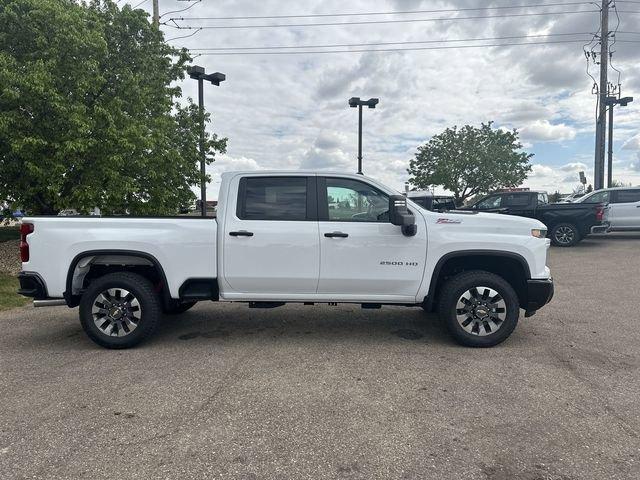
x=356, y=102
x=610, y=102
x=197, y=73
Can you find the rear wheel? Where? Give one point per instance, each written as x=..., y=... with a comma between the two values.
x=119, y=310
x=480, y=309
x=565, y=235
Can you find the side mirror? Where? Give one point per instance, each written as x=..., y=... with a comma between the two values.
x=399, y=215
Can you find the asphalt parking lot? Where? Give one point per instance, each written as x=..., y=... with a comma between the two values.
x=336, y=392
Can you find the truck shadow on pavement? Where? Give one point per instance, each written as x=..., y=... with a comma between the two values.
x=235, y=324
x=303, y=324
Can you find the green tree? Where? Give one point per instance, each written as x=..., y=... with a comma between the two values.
x=89, y=112
x=470, y=161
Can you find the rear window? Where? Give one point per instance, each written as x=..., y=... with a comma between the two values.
x=272, y=198
x=627, y=196
x=516, y=200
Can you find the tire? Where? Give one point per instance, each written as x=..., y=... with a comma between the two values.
x=483, y=319
x=119, y=310
x=565, y=235
x=176, y=308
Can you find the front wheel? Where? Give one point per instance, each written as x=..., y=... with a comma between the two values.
x=565, y=235
x=119, y=310
x=480, y=309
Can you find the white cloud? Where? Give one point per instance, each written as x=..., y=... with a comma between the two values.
x=632, y=144
x=543, y=131
x=574, y=167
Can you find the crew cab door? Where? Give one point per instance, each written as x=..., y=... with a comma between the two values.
x=270, y=240
x=625, y=209
x=363, y=256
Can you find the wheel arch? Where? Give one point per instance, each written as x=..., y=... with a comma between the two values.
x=113, y=260
x=511, y=266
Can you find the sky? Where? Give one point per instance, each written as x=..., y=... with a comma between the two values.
x=290, y=111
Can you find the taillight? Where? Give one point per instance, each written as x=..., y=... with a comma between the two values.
x=599, y=213
x=25, y=229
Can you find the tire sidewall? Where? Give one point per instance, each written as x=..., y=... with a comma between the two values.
x=576, y=235
x=462, y=283
x=142, y=289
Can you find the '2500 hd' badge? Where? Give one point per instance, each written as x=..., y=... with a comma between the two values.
x=447, y=221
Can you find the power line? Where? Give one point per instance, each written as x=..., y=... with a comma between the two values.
x=369, y=22
x=195, y=2
x=391, y=49
x=371, y=44
x=143, y=1
x=400, y=12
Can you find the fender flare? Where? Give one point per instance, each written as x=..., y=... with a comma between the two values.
x=72, y=300
x=467, y=253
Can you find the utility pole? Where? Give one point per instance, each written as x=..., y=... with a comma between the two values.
x=360, y=139
x=610, y=148
x=156, y=14
x=598, y=179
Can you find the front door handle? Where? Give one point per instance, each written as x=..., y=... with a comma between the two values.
x=336, y=235
x=241, y=233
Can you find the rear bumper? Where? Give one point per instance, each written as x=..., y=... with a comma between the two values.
x=603, y=228
x=539, y=293
x=32, y=285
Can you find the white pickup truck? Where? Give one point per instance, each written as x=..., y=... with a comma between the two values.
x=282, y=237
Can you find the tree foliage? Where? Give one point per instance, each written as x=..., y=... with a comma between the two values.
x=88, y=111
x=470, y=161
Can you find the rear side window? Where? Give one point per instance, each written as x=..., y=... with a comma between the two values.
x=422, y=201
x=272, y=198
x=600, y=197
x=626, y=196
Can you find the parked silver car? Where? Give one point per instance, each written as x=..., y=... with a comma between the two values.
x=624, y=206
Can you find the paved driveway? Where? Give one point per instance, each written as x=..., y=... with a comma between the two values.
x=336, y=392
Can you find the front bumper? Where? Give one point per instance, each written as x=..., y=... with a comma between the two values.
x=602, y=228
x=32, y=285
x=539, y=293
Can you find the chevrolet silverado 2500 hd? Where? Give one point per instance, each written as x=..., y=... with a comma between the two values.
x=284, y=237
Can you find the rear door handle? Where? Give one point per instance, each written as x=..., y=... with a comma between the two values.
x=336, y=235
x=241, y=233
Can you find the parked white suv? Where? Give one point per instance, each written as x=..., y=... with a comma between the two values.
x=281, y=237
x=624, y=206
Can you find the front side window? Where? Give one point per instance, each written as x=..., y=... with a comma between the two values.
x=354, y=201
x=273, y=198
x=627, y=196
x=600, y=197
x=489, y=203
x=543, y=199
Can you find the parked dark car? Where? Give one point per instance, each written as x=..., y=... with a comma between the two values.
x=567, y=223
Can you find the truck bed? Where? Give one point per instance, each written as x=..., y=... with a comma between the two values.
x=185, y=247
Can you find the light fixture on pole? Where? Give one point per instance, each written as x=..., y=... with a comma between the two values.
x=197, y=73
x=356, y=102
x=610, y=102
